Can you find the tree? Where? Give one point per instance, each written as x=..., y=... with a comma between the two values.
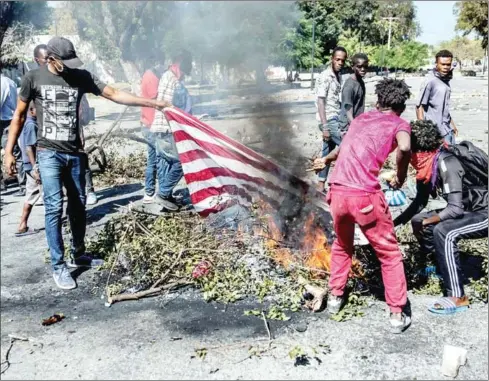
x=408, y=55
x=64, y=24
x=473, y=17
x=18, y=21
x=463, y=49
x=124, y=32
x=335, y=17
x=295, y=49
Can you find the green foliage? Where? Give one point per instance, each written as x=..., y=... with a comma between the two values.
x=200, y=353
x=463, y=49
x=433, y=286
x=334, y=17
x=122, y=169
x=408, y=55
x=472, y=17
x=352, y=308
x=295, y=49
x=19, y=20
x=479, y=288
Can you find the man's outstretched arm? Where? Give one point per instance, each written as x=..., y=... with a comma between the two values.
x=129, y=99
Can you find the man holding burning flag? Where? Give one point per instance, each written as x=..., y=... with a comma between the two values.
x=356, y=197
x=171, y=90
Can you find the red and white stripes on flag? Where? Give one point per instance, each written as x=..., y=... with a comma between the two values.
x=221, y=172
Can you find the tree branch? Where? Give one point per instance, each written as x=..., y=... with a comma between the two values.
x=126, y=37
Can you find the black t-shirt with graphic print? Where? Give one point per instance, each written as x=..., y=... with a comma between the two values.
x=57, y=99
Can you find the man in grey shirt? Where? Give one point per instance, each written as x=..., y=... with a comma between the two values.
x=434, y=98
x=328, y=93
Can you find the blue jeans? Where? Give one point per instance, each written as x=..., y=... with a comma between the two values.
x=450, y=138
x=68, y=169
x=330, y=145
x=151, y=163
x=170, y=169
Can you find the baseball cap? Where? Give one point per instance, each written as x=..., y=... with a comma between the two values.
x=63, y=49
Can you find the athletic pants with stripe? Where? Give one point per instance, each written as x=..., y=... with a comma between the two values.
x=442, y=238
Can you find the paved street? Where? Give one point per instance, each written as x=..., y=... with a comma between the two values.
x=155, y=338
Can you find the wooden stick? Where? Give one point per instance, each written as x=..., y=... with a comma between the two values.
x=163, y=277
x=146, y=293
x=267, y=327
x=104, y=137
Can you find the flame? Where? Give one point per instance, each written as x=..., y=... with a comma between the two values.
x=315, y=246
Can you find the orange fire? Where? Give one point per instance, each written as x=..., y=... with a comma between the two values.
x=313, y=251
x=315, y=246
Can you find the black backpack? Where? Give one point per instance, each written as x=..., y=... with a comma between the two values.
x=474, y=162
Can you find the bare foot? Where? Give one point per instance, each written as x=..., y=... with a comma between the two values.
x=459, y=302
x=22, y=227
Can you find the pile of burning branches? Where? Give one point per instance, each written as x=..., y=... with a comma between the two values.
x=262, y=257
x=148, y=255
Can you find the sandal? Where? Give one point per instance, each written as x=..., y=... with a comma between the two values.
x=448, y=306
x=25, y=232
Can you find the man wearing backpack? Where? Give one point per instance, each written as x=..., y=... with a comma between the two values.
x=459, y=173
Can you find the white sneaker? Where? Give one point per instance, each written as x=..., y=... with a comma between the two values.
x=399, y=322
x=334, y=304
x=148, y=199
x=91, y=198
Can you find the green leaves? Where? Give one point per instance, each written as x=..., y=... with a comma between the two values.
x=200, y=353
x=472, y=16
x=352, y=308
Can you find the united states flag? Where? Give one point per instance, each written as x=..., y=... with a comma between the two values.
x=221, y=172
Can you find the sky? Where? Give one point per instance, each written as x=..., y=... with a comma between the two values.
x=437, y=21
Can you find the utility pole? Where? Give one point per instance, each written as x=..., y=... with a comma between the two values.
x=313, y=42
x=390, y=29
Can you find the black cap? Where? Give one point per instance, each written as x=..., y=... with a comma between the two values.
x=63, y=49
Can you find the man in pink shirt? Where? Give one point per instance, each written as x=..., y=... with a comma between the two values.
x=355, y=196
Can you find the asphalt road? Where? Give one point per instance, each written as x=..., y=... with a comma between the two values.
x=156, y=338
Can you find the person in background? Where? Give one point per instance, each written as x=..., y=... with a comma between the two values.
x=56, y=90
x=434, y=97
x=84, y=120
x=171, y=90
x=8, y=103
x=27, y=144
x=40, y=54
x=149, y=89
x=439, y=171
x=328, y=105
x=355, y=197
x=353, y=92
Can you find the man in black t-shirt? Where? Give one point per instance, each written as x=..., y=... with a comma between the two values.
x=439, y=171
x=353, y=92
x=57, y=89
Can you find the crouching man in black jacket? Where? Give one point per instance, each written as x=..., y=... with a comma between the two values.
x=439, y=170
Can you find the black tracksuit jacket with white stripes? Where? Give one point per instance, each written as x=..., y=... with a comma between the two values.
x=464, y=217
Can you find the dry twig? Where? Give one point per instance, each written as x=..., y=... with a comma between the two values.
x=6, y=363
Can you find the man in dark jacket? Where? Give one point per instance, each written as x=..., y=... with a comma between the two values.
x=438, y=170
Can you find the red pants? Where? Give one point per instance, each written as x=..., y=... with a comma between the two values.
x=371, y=213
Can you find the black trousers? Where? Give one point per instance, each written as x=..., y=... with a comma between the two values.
x=442, y=238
